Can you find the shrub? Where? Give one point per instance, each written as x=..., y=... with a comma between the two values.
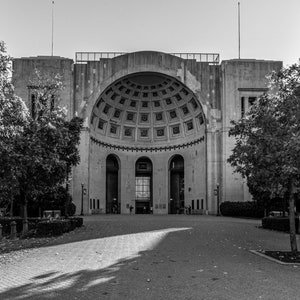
x=32, y=223
x=6, y=221
x=248, y=209
x=76, y=222
x=278, y=223
x=71, y=209
x=55, y=227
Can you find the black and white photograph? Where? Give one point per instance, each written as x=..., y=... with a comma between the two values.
x=149, y=149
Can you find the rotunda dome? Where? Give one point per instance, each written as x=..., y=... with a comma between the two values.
x=147, y=109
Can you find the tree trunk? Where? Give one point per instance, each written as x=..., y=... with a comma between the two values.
x=293, y=240
x=25, y=215
x=11, y=211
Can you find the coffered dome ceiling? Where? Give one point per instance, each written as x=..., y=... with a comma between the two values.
x=147, y=108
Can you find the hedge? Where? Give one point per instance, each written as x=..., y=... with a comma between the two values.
x=248, y=209
x=279, y=223
x=76, y=222
x=58, y=227
x=54, y=227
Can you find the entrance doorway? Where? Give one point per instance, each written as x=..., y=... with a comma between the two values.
x=112, y=185
x=143, y=186
x=176, y=201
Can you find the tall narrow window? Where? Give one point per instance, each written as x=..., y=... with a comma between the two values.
x=142, y=188
x=33, y=106
x=242, y=107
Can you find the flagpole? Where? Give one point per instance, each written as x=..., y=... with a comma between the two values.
x=239, y=29
x=52, y=28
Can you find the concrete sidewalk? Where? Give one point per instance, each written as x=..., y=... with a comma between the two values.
x=153, y=257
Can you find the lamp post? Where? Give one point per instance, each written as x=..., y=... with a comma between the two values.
x=82, y=187
x=217, y=191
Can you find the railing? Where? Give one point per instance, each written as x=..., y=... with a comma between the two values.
x=84, y=57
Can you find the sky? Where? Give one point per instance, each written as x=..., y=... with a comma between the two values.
x=270, y=29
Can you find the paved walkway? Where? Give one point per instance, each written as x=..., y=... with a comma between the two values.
x=153, y=257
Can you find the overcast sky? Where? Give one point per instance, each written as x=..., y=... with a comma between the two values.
x=270, y=29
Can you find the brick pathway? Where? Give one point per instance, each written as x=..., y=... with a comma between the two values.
x=153, y=257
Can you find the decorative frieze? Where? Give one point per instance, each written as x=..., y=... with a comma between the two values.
x=148, y=149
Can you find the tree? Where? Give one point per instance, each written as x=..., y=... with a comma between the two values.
x=47, y=148
x=267, y=148
x=36, y=152
x=13, y=117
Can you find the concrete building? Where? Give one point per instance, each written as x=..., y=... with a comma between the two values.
x=155, y=137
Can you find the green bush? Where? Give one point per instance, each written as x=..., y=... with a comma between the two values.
x=55, y=227
x=248, y=209
x=278, y=223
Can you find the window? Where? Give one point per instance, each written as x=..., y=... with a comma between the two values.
x=251, y=100
x=142, y=188
x=242, y=107
x=156, y=104
x=33, y=106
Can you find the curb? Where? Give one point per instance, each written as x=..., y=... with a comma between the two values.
x=273, y=259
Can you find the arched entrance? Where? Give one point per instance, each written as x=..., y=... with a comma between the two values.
x=112, y=185
x=176, y=201
x=143, y=186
